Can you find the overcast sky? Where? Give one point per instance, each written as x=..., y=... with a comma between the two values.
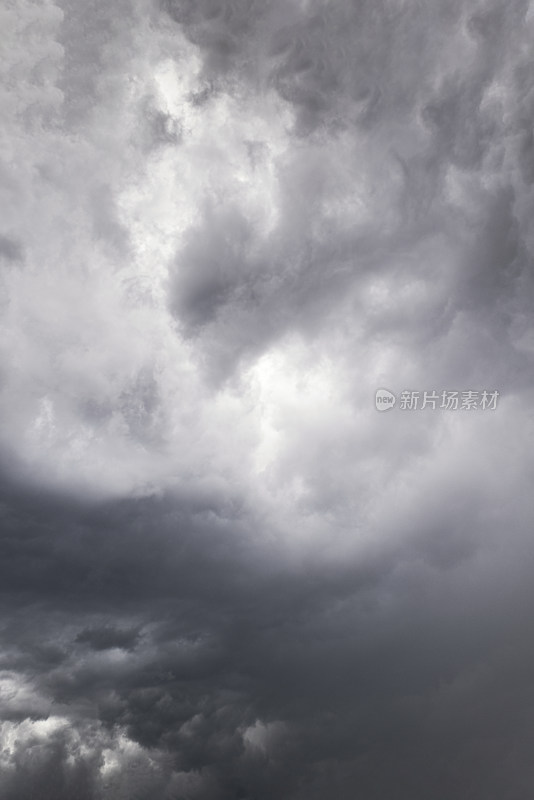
x=224, y=574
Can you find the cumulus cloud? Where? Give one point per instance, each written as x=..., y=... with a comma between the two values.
x=223, y=227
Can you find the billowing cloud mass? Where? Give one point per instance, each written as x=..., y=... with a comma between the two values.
x=224, y=574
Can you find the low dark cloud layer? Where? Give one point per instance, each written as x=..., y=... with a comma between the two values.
x=224, y=575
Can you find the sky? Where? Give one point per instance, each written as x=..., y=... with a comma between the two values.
x=226, y=571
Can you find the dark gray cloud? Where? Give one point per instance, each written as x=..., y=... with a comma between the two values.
x=10, y=249
x=223, y=574
x=249, y=674
x=107, y=637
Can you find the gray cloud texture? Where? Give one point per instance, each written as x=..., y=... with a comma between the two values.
x=224, y=575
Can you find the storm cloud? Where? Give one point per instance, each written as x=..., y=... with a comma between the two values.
x=224, y=574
